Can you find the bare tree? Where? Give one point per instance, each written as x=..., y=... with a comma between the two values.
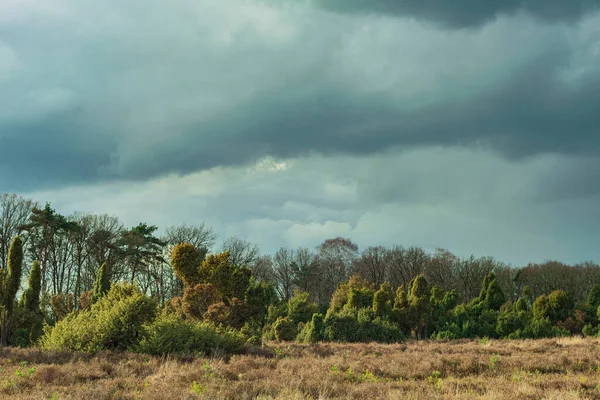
x=305, y=268
x=60, y=262
x=201, y=236
x=80, y=250
x=406, y=264
x=337, y=257
x=373, y=264
x=283, y=271
x=440, y=269
x=14, y=214
x=263, y=269
x=103, y=248
x=470, y=273
x=241, y=252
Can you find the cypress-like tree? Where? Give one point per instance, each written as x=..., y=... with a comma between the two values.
x=10, y=286
x=494, y=297
x=418, y=300
x=593, y=299
x=15, y=270
x=383, y=300
x=484, y=286
x=31, y=296
x=102, y=285
x=30, y=303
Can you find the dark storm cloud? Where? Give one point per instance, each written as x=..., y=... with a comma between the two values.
x=532, y=113
x=50, y=151
x=465, y=13
x=142, y=117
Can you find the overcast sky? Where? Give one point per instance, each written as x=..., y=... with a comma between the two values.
x=469, y=125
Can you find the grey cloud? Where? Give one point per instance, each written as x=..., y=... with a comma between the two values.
x=460, y=199
x=51, y=151
x=577, y=179
x=466, y=13
x=116, y=131
x=532, y=113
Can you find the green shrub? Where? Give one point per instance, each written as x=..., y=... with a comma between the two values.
x=252, y=330
x=114, y=322
x=340, y=297
x=171, y=334
x=285, y=330
x=342, y=327
x=351, y=325
x=451, y=331
x=185, y=261
x=589, y=330
x=521, y=305
x=511, y=321
x=102, y=285
x=20, y=338
x=268, y=332
x=231, y=280
x=380, y=330
x=360, y=298
x=494, y=298
x=543, y=328
x=557, y=306
x=275, y=311
x=383, y=301
x=300, y=309
x=257, y=298
x=313, y=331
x=365, y=315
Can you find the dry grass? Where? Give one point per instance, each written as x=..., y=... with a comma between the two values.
x=536, y=369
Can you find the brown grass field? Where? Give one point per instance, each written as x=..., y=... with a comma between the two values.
x=537, y=369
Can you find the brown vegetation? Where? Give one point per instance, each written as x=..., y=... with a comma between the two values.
x=565, y=368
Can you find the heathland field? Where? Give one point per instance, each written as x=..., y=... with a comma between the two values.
x=564, y=368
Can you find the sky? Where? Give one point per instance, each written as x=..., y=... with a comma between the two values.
x=467, y=125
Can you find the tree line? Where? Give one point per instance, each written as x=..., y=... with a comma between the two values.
x=393, y=292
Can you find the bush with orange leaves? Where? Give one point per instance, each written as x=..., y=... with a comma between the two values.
x=197, y=299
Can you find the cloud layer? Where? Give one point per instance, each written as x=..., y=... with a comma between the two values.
x=498, y=208
x=466, y=13
x=368, y=112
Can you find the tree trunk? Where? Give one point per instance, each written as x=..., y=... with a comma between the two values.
x=77, y=283
x=4, y=329
x=133, y=273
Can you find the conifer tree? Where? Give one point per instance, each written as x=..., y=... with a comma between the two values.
x=31, y=296
x=418, y=300
x=30, y=304
x=11, y=281
x=494, y=297
x=102, y=285
x=15, y=270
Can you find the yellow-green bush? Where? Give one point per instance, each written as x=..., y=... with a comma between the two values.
x=171, y=334
x=285, y=330
x=114, y=322
x=352, y=325
x=300, y=309
x=312, y=332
